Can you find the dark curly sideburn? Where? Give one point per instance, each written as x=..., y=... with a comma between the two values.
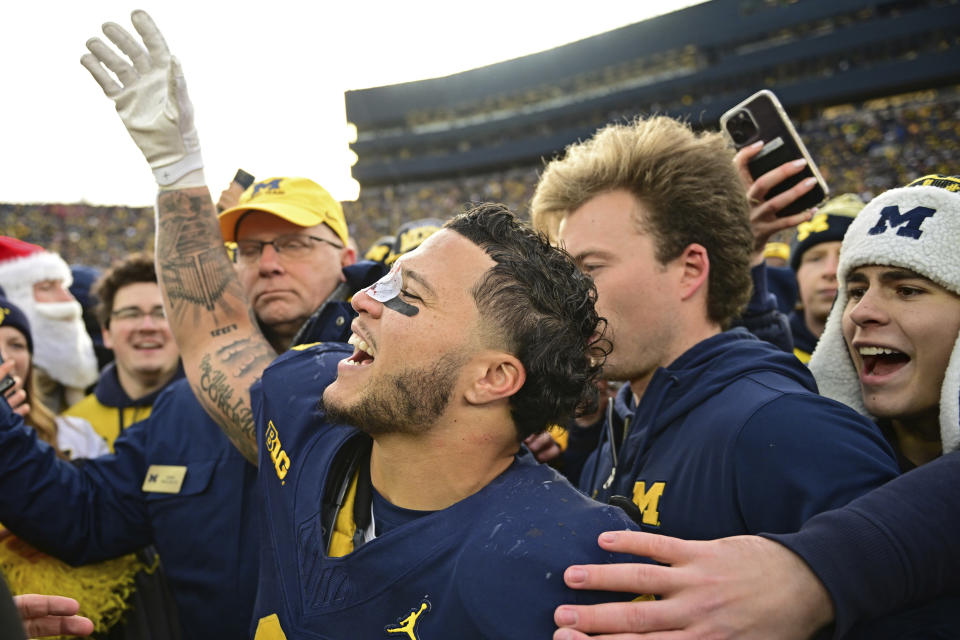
x=541, y=306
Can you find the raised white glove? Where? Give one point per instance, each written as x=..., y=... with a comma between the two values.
x=151, y=98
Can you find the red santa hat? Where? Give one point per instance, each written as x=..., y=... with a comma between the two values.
x=23, y=264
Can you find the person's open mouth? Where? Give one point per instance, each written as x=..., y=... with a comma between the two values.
x=363, y=353
x=881, y=361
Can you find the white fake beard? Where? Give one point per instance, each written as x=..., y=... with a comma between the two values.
x=62, y=346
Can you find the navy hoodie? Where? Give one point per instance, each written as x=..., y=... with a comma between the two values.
x=804, y=341
x=732, y=438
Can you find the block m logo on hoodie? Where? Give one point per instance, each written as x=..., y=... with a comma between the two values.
x=908, y=223
x=648, y=501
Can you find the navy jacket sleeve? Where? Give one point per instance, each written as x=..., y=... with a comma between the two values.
x=800, y=455
x=894, y=546
x=762, y=318
x=80, y=512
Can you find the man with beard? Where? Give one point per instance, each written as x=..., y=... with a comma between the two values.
x=482, y=336
x=470, y=344
x=36, y=280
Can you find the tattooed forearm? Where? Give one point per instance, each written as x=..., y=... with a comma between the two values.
x=223, y=387
x=199, y=279
x=220, y=400
x=206, y=307
x=246, y=357
x=197, y=275
x=191, y=211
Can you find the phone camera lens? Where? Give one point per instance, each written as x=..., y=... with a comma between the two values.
x=742, y=128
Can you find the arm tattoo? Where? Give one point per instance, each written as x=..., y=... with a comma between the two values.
x=223, y=390
x=206, y=307
x=246, y=356
x=196, y=273
x=217, y=396
x=196, y=279
x=223, y=330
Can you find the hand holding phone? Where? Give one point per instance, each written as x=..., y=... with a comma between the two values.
x=7, y=381
x=12, y=389
x=761, y=118
x=231, y=195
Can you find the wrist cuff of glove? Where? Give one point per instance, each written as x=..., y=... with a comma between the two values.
x=169, y=176
x=189, y=181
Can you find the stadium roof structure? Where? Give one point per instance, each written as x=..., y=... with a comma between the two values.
x=693, y=63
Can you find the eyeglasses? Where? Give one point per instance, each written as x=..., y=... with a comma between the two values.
x=294, y=247
x=136, y=314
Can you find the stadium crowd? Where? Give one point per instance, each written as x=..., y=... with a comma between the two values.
x=893, y=140
x=469, y=432
x=880, y=135
x=83, y=234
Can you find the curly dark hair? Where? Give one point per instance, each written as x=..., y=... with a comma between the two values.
x=136, y=267
x=541, y=306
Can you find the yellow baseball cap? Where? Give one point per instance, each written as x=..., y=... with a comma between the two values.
x=298, y=200
x=777, y=250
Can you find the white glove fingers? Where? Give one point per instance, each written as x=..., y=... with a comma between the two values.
x=130, y=47
x=152, y=38
x=184, y=106
x=150, y=96
x=104, y=79
x=124, y=72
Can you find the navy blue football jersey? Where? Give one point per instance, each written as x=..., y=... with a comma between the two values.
x=489, y=566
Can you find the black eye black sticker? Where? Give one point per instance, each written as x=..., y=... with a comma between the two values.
x=400, y=306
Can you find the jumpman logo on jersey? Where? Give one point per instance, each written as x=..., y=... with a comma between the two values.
x=409, y=624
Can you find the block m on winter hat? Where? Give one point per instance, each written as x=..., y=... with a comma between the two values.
x=914, y=228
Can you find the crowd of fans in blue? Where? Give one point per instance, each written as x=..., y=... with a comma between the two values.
x=567, y=400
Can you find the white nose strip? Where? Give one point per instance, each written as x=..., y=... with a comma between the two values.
x=386, y=291
x=388, y=287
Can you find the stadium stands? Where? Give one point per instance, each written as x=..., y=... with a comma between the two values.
x=872, y=85
x=81, y=233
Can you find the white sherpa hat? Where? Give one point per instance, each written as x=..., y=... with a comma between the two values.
x=916, y=227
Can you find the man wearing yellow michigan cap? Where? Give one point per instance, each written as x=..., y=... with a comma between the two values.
x=176, y=468
x=292, y=243
x=176, y=482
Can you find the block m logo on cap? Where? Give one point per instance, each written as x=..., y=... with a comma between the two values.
x=907, y=223
x=268, y=185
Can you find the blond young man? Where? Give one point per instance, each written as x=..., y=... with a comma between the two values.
x=889, y=349
x=716, y=432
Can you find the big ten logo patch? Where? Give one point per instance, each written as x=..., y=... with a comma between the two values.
x=281, y=461
x=907, y=223
x=648, y=501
